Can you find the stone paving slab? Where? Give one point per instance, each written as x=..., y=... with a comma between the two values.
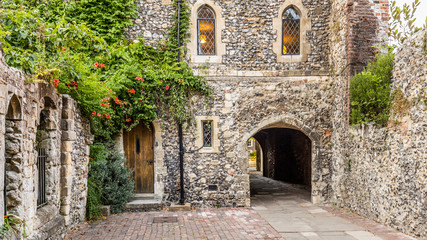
x=293, y=215
x=223, y=223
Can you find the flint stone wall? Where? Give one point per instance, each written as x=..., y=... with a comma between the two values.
x=65, y=131
x=247, y=34
x=245, y=106
x=382, y=172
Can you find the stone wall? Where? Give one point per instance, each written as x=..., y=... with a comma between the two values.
x=245, y=106
x=247, y=34
x=382, y=173
x=256, y=88
x=34, y=117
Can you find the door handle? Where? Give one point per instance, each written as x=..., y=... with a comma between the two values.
x=151, y=161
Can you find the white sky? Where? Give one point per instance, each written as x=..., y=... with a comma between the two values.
x=421, y=12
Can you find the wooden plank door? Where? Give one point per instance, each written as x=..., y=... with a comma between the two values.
x=138, y=146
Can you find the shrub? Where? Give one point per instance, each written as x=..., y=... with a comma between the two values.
x=115, y=181
x=94, y=194
x=370, y=91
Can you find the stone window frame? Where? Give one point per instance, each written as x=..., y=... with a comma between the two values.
x=305, y=26
x=219, y=26
x=215, y=130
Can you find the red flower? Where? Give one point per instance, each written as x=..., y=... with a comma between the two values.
x=102, y=104
x=103, y=65
x=125, y=102
x=108, y=116
x=63, y=48
x=56, y=81
x=93, y=113
x=167, y=87
x=128, y=120
x=132, y=91
x=99, y=115
x=96, y=64
x=56, y=84
x=91, y=159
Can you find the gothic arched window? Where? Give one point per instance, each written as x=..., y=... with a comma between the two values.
x=205, y=31
x=290, y=32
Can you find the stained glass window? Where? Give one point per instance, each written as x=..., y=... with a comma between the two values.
x=207, y=133
x=291, y=32
x=205, y=31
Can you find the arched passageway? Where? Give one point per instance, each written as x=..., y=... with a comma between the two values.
x=286, y=155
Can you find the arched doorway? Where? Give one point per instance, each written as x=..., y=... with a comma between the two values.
x=287, y=155
x=290, y=154
x=138, y=147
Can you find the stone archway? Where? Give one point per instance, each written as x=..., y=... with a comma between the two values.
x=295, y=129
x=287, y=155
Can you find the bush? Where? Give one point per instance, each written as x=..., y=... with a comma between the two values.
x=370, y=91
x=94, y=194
x=115, y=181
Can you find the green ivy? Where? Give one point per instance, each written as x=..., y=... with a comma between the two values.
x=79, y=47
x=108, y=18
x=56, y=43
x=370, y=91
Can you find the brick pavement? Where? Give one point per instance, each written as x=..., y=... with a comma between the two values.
x=222, y=223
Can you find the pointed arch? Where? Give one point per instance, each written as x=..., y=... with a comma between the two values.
x=206, y=44
x=14, y=111
x=288, y=15
x=291, y=31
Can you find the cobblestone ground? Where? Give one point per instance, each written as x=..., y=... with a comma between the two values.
x=223, y=223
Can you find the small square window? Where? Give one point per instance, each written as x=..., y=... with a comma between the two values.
x=207, y=133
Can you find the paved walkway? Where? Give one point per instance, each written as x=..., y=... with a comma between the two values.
x=289, y=210
x=279, y=211
x=223, y=223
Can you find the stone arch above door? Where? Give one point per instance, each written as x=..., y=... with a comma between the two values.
x=289, y=122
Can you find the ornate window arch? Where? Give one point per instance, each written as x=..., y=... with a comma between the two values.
x=290, y=32
x=206, y=31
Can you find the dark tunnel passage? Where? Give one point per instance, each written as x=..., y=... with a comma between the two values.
x=286, y=155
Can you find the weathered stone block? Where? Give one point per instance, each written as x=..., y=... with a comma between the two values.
x=65, y=210
x=66, y=158
x=67, y=146
x=67, y=124
x=68, y=136
x=105, y=210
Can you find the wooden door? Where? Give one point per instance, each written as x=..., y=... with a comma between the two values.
x=138, y=145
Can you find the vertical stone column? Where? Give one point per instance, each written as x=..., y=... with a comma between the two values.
x=67, y=141
x=3, y=109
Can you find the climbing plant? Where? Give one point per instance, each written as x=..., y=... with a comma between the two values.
x=117, y=83
x=79, y=46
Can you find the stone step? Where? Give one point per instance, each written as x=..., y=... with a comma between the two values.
x=144, y=205
x=144, y=196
